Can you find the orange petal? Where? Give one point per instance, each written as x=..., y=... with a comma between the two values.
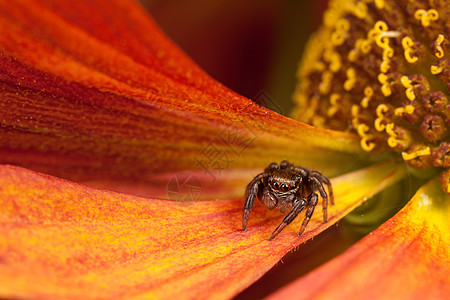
x=94, y=91
x=406, y=258
x=63, y=240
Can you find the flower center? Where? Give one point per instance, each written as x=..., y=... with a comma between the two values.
x=381, y=69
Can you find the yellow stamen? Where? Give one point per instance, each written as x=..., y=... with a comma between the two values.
x=337, y=38
x=399, y=111
x=334, y=59
x=309, y=113
x=405, y=81
x=355, y=113
x=351, y=79
x=380, y=35
x=409, y=88
x=378, y=125
x=435, y=70
x=386, y=90
x=408, y=45
x=385, y=65
x=438, y=44
x=417, y=153
x=372, y=34
x=365, y=46
x=409, y=56
x=390, y=130
x=368, y=92
x=343, y=24
x=385, y=76
x=385, y=87
x=324, y=86
x=362, y=129
x=333, y=109
x=380, y=26
x=379, y=4
x=353, y=55
x=380, y=111
x=426, y=16
x=340, y=34
x=388, y=52
x=355, y=110
x=318, y=121
x=392, y=142
x=382, y=41
x=410, y=94
x=360, y=10
x=365, y=145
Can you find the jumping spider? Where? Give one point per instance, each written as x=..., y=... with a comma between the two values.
x=288, y=187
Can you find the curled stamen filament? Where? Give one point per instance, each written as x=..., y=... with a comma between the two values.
x=426, y=16
x=381, y=110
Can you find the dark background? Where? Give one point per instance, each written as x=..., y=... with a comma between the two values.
x=249, y=46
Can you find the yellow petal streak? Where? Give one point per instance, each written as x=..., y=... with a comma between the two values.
x=63, y=240
x=406, y=258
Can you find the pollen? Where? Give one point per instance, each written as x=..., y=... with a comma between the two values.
x=385, y=76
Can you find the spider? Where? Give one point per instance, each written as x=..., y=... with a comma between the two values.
x=288, y=187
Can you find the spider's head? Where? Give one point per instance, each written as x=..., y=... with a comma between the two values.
x=284, y=181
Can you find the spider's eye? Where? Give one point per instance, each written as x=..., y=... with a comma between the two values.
x=284, y=187
x=276, y=185
x=298, y=180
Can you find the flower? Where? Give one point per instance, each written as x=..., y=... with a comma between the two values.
x=94, y=93
x=380, y=69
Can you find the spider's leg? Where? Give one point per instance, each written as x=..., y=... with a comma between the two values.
x=299, y=205
x=272, y=167
x=267, y=198
x=324, y=195
x=313, y=199
x=325, y=180
x=253, y=189
x=285, y=164
x=302, y=171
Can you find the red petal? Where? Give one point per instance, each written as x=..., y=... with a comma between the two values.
x=63, y=240
x=406, y=258
x=94, y=91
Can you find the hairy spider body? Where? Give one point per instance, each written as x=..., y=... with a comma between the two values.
x=288, y=187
